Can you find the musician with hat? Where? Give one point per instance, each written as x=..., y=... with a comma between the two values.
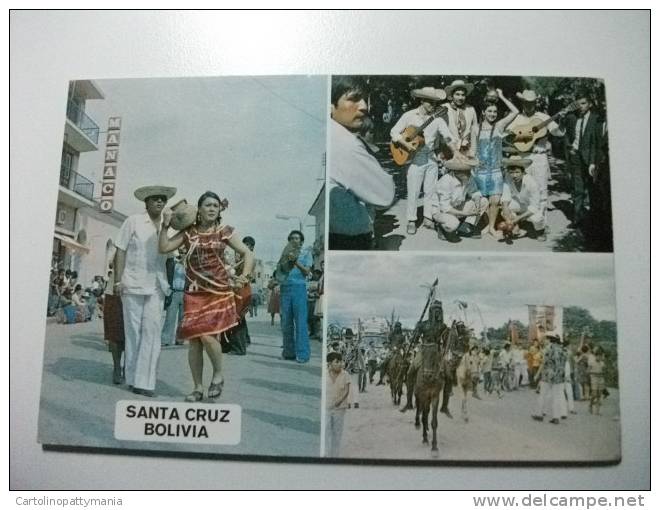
x=462, y=118
x=457, y=204
x=521, y=199
x=142, y=283
x=423, y=166
x=537, y=151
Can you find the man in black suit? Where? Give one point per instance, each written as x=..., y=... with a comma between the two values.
x=583, y=140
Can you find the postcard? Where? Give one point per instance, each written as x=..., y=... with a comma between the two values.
x=191, y=310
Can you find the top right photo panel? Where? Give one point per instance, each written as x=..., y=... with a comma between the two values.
x=469, y=163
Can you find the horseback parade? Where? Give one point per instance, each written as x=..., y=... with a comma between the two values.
x=444, y=363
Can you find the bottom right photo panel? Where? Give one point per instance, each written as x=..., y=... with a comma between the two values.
x=472, y=358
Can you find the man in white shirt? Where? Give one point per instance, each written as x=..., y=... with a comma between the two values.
x=357, y=182
x=457, y=205
x=540, y=167
x=521, y=199
x=141, y=280
x=423, y=166
x=462, y=118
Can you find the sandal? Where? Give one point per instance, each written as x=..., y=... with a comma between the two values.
x=195, y=396
x=215, y=389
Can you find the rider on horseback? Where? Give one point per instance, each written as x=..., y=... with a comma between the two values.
x=430, y=329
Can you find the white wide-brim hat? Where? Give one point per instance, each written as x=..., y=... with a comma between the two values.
x=429, y=93
x=152, y=191
x=460, y=163
x=528, y=96
x=516, y=161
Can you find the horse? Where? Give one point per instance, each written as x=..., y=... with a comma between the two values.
x=467, y=369
x=398, y=377
x=393, y=370
x=428, y=385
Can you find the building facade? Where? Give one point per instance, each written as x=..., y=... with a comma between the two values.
x=83, y=236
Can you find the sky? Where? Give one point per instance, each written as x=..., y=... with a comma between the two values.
x=257, y=141
x=499, y=287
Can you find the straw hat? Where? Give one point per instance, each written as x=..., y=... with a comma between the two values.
x=183, y=215
x=152, y=191
x=459, y=84
x=429, y=93
x=516, y=161
x=528, y=96
x=461, y=164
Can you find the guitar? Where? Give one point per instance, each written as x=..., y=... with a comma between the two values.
x=524, y=137
x=415, y=136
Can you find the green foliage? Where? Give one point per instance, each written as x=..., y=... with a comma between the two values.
x=598, y=333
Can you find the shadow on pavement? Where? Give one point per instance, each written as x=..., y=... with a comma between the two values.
x=289, y=389
x=71, y=369
x=81, y=422
x=88, y=342
x=312, y=370
x=290, y=422
x=391, y=243
x=271, y=356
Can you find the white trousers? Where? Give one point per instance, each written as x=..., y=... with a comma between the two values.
x=540, y=170
x=334, y=427
x=550, y=399
x=450, y=222
x=567, y=404
x=142, y=327
x=537, y=219
x=426, y=173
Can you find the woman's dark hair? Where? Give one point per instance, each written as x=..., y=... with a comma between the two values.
x=583, y=94
x=206, y=195
x=333, y=356
x=343, y=84
x=487, y=102
x=78, y=287
x=211, y=194
x=302, y=236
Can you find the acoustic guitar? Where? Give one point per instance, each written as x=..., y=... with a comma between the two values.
x=415, y=136
x=524, y=137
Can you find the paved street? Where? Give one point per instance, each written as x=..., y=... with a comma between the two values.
x=497, y=430
x=281, y=400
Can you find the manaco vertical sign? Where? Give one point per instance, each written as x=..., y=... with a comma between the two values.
x=110, y=165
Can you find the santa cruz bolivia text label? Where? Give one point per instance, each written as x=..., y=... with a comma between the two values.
x=176, y=422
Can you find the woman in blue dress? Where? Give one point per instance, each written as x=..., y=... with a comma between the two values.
x=488, y=175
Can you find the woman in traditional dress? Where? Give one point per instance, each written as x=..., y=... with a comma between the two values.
x=488, y=175
x=209, y=308
x=273, y=299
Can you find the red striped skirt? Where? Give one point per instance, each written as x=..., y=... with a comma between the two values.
x=207, y=314
x=113, y=319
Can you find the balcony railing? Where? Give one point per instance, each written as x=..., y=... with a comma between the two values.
x=76, y=115
x=76, y=182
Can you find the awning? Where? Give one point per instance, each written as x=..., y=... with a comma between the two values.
x=70, y=243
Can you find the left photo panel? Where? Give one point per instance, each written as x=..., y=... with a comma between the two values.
x=186, y=283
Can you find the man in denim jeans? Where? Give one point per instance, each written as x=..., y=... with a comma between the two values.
x=293, y=300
